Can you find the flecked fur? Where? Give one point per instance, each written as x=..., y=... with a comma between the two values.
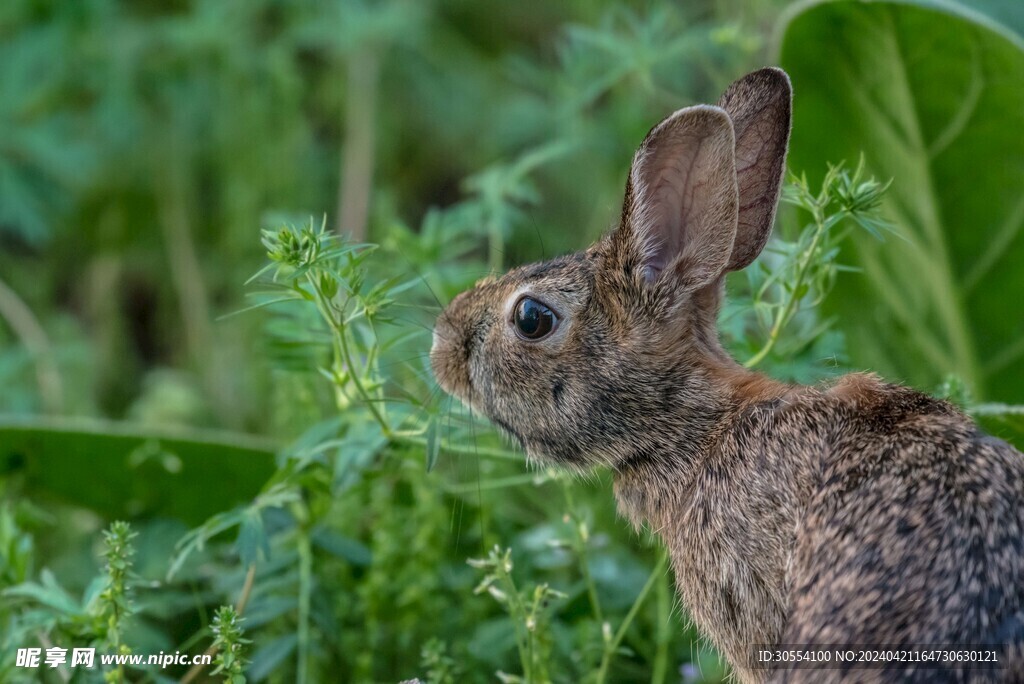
x=862, y=513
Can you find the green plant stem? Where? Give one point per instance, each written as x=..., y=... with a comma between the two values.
x=612, y=646
x=519, y=615
x=115, y=643
x=497, y=483
x=793, y=299
x=305, y=594
x=580, y=543
x=371, y=355
x=530, y=676
x=356, y=184
x=243, y=601
x=662, y=595
x=370, y=403
x=31, y=333
x=996, y=409
x=538, y=668
x=346, y=354
x=455, y=448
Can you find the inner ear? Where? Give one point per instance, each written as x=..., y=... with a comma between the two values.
x=682, y=199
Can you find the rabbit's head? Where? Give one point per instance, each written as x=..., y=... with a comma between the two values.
x=588, y=357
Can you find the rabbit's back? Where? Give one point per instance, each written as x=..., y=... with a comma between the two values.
x=867, y=514
x=913, y=535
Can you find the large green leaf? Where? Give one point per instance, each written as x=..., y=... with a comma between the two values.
x=933, y=94
x=121, y=471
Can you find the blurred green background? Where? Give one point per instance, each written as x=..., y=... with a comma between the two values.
x=144, y=145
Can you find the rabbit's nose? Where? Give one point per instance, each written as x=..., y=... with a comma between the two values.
x=437, y=341
x=446, y=326
x=444, y=333
x=443, y=356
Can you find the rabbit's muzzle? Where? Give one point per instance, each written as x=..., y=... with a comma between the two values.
x=450, y=351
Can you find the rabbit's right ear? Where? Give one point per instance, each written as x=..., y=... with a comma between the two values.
x=759, y=105
x=679, y=216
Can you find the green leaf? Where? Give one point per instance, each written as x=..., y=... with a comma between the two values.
x=123, y=471
x=270, y=656
x=252, y=538
x=343, y=547
x=356, y=451
x=933, y=94
x=49, y=594
x=195, y=539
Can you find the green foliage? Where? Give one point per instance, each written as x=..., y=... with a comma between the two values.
x=529, y=611
x=184, y=473
x=135, y=176
x=169, y=131
x=797, y=275
x=439, y=667
x=229, y=641
x=102, y=618
x=114, y=604
x=944, y=125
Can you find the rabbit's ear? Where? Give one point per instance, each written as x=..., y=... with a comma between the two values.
x=679, y=217
x=760, y=106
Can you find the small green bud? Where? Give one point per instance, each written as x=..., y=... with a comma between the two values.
x=328, y=285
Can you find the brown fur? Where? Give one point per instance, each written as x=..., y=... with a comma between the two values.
x=864, y=513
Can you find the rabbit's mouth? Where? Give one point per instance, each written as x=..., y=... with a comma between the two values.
x=509, y=430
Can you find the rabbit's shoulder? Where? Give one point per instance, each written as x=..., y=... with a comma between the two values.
x=885, y=429
x=915, y=530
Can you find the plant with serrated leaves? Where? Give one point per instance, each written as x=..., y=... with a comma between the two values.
x=113, y=605
x=228, y=638
x=440, y=667
x=776, y=315
x=47, y=613
x=529, y=609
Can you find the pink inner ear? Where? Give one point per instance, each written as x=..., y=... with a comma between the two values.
x=684, y=195
x=671, y=199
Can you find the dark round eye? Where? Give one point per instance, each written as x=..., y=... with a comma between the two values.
x=533, y=320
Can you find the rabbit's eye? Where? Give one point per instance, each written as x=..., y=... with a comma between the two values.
x=532, y=319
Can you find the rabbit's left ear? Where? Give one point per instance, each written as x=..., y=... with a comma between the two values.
x=760, y=106
x=679, y=217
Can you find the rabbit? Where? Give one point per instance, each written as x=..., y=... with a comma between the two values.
x=855, y=513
